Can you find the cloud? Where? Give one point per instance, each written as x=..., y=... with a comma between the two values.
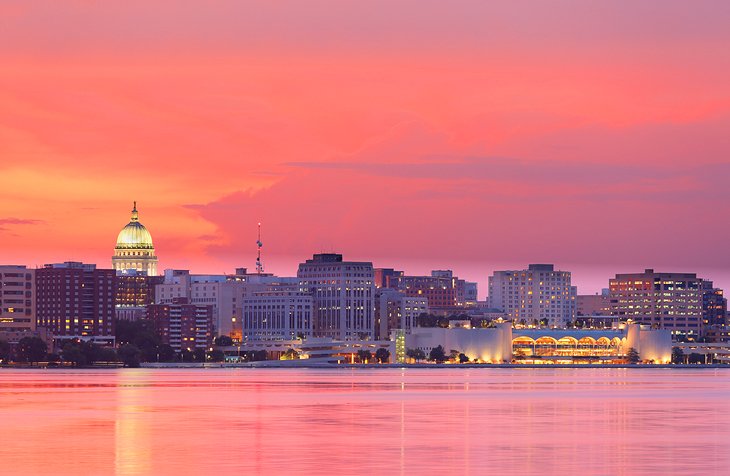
x=20, y=221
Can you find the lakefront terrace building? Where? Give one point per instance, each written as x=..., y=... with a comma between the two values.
x=503, y=344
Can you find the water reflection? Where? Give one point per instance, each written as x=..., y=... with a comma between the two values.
x=423, y=421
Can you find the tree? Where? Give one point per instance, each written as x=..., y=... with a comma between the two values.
x=223, y=341
x=382, y=355
x=129, y=355
x=364, y=355
x=216, y=355
x=199, y=354
x=106, y=354
x=5, y=351
x=632, y=356
x=463, y=359
x=142, y=333
x=415, y=354
x=454, y=355
x=437, y=354
x=165, y=353
x=677, y=355
x=31, y=349
x=72, y=353
x=696, y=358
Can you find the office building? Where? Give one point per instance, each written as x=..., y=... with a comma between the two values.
x=343, y=293
x=182, y=325
x=17, y=299
x=670, y=301
x=277, y=315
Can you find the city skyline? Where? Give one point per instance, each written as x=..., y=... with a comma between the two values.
x=281, y=266
x=482, y=137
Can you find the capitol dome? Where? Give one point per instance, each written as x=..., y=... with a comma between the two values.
x=134, y=235
x=134, y=250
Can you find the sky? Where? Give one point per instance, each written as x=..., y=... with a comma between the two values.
x=417, y=134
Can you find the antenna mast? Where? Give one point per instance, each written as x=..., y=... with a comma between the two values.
x=259, y=265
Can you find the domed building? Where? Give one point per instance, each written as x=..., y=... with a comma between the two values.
x=134, y=250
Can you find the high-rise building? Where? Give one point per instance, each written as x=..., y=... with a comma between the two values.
x=277, y=315
x=343, y=293
x=665, y=300
x=181, y=325
x=134, y=292
x=75, y=299
x=714, y=305
x=395, y=310
x=134, y=249
x=536, y=295
x=17, y=299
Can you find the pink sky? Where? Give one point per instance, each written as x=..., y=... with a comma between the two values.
x=470, y=134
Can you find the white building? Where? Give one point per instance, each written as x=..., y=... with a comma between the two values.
x=276, y=315
x=535, y=295
x=224, y=292
x=17, y=299
x=501, y=343
x=343, y=293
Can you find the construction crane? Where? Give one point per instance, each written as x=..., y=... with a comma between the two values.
x=259, y=264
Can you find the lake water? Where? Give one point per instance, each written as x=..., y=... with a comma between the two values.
x=365, y=421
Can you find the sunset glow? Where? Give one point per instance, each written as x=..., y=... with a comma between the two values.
x=414, y=134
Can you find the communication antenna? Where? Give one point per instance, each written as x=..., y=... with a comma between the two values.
x=259, y=265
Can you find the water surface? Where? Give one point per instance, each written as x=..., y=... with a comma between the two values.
x=365, y=421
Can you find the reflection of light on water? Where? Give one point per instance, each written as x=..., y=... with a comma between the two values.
x=132, y=432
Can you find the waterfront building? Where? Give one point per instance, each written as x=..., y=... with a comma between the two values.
x=182, y=325
x=76, y=300
x=502, y=344
x=277, y=315
x=134, y=249
x=343, y=293
x=670, y=301
x=593, y=304
x=17, y=299
x=395, y=310
x=538, y=295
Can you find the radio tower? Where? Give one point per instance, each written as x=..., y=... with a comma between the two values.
x=259, y=265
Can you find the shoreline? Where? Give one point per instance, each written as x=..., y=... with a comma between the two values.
x=294, y=365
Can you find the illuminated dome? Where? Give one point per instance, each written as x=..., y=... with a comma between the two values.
x=134, y=235
x=134, y=251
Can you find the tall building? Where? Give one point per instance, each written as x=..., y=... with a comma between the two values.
x=17, y=299
x=665, y=300
x=277, y=315
x=536, y=295
x=395, y=310
x=134, y=292
x=343, y=293
x=181, y=325
x=134, y=249
x=75, y=299
x=714, y=306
